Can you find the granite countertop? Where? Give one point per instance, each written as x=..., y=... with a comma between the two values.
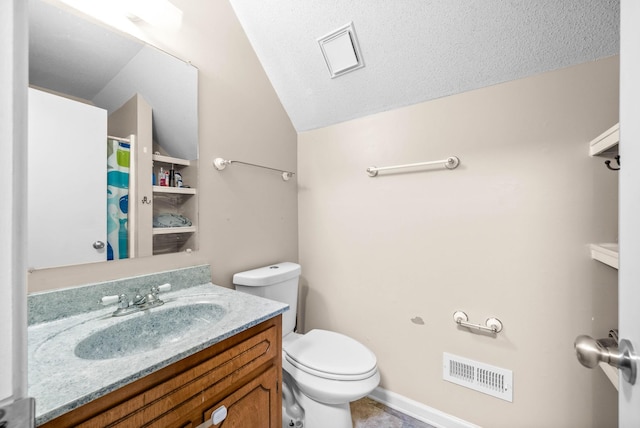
x=60, y=381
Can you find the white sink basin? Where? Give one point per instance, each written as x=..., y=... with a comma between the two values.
x=149, y=330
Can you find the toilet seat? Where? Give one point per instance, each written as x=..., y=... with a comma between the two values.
x=331, y=355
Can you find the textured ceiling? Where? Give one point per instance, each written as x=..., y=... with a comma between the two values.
x=417, y=50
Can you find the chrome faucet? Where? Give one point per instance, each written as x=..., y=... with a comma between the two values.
x=139, y=302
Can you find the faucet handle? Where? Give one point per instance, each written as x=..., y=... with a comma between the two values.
x=153, y=297
x=122, y=300
x=109, y=300
x=156, y=289
x=164, y=287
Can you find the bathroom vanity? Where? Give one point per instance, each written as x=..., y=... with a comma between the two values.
x=241, y=373
x=207, y=350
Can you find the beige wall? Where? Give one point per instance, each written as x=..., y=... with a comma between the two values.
x=248, y=217
x=505, y=235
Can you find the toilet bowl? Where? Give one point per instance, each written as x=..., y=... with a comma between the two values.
x=329, y=367
x=323, y=371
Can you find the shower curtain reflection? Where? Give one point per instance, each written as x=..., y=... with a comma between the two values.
x=118, y=156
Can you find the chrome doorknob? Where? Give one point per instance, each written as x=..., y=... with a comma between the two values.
x=590, y=352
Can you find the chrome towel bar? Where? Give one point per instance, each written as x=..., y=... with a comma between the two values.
x=221, y=164
x=451, y=162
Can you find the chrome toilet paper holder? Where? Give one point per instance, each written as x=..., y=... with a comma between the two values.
x=491, y=325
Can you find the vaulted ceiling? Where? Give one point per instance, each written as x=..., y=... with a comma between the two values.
x=418, y=50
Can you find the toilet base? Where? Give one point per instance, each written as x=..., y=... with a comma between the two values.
x=320, y=415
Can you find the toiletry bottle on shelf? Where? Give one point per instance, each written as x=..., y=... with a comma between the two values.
x=172, y=177
x=161, y=177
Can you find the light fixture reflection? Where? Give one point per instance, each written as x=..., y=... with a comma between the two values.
x=126, y=15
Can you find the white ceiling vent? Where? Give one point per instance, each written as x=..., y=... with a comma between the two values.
x=341, y=51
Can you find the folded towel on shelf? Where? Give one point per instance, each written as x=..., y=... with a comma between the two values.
x=171, y=220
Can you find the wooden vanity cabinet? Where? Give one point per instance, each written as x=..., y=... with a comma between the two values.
x=252, y=405
x=243, y=373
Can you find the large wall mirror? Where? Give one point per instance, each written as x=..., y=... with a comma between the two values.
x=88, y=83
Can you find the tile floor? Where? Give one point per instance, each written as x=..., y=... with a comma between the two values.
x=367, y=413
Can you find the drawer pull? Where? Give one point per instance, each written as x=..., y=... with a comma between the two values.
x=219, y=415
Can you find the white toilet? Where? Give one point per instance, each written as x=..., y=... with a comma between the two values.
x=322, y=370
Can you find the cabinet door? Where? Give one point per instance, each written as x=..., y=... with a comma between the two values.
x=255, y=405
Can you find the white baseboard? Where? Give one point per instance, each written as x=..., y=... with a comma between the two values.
x=418, y=410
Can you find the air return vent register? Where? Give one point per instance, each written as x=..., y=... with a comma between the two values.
x=478, y=376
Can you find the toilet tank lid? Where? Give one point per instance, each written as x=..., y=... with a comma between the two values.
x=267, y=275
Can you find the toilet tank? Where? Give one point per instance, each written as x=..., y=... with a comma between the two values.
x=277, y=282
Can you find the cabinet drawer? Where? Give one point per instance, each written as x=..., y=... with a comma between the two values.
x=171, y=402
